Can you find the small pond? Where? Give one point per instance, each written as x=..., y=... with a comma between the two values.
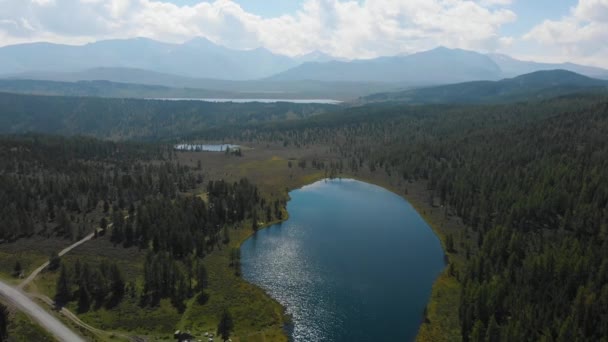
x=205, y=148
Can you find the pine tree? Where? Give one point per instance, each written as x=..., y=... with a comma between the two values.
x=54, y=262
x=268, y=214
x=106, y=207
x=201, y=277
x=77, y=270
x=226, y=234
x=3, y=322
x=117, y=283
x=254, y=220
x=129, y=235
x=17, y=270
x=449, y=243
x=493, y=332
x=478, y=332
x=225, y=326
x=566, y=331
x=84, y=298
x=62, y=294
x=103, y=223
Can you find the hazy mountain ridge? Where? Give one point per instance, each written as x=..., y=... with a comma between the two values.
x=214, y=69
x=433, y=67
x=437, y=66
x=512, y=67
x=532, y=86
x=195, y=58
x=201, y=58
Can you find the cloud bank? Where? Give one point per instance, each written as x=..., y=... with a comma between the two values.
x=582, y=35
x=343, y=28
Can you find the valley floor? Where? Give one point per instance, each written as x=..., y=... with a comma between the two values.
x=275, y=170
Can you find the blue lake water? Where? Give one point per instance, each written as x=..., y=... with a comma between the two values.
x=204, y=148
x=354, y=262
x=301, y=101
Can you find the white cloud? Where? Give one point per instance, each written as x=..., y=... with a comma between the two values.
x=496, y=2
x=43, y=2
x=593, y=10
x=346, y=28
x=582, y=35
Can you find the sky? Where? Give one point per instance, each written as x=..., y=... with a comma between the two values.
x=541, y=30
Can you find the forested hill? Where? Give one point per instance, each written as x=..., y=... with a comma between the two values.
x=106, y=89
x=121, y=119
x=529, y=182
x=534, y=86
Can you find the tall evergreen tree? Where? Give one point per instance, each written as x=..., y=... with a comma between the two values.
x=62, y=292
x=117, y=283
x=493, y=331
x=478, y=333
x=3, y=322
x=84, y=298
x=54, y=261
x=17, y=270
x=201, y=277
x=225, y=326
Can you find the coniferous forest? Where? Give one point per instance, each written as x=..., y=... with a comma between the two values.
x=304, y=171
x=528, y=181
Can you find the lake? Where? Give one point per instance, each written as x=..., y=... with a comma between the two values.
x=204, y=148
x=354, y=262
x=321, y=101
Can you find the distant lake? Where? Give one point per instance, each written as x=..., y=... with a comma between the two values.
x=206, y=148
x=354, y=262
x=321, y=101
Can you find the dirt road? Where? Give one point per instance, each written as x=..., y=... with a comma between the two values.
x=51, y=324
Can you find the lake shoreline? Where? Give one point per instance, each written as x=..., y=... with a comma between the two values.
x=244, y=237
x=249, y=100
x=442, y=321
x=375, y=182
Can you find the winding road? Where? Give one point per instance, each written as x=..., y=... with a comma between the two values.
x=20, y=300
x=62, y=253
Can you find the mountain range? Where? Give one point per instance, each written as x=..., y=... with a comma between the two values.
x=437, y=66
x=199, y=58
x=433, y=67
x=202, y=64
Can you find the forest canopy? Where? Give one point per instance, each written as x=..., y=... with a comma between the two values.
x=528, y=180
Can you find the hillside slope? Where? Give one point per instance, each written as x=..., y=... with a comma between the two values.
x=533, y=86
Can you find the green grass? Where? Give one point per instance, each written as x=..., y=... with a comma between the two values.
x=126, y=317
x=256, y=315
x=23, y=329
x=254, y=312
x=29, y=260
x=158, y=322
x=442, y=312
